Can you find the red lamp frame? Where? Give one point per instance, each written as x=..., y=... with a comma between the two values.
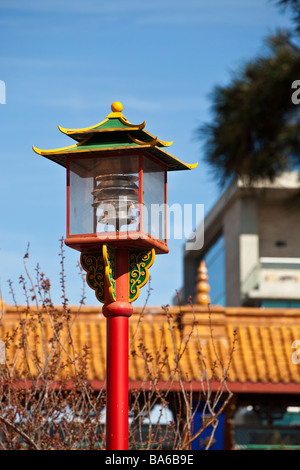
x=129, y=249
x=134, y=239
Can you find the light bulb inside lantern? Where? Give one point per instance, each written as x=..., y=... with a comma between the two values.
x=116, y=195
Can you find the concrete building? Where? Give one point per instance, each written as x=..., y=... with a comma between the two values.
x=251, y=246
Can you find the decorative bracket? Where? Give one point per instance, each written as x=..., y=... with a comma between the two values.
x=93, y=264
x=139, y=264
x=110, y=271
x=101, y=271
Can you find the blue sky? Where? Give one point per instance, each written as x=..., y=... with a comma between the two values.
x=64, y=63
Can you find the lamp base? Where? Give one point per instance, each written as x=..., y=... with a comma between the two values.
x=130, y=240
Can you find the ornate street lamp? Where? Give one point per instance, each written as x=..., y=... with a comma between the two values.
x=116, y=218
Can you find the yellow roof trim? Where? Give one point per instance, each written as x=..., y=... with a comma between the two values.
x=66, y=149
x=82, y=129
x=190, y=166
x=122, y=118
x=59, y=150
x=101, y=131
x=115, y=115
x=162, y=142
x=165, y=144
x=128, y=124
x=63, y=150
x=140, y=142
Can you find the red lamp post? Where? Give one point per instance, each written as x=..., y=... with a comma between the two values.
x=116, y=218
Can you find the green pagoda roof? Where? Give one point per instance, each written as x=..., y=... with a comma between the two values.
x=115, y=133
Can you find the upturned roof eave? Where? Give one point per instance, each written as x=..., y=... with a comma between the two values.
x=59, y=155
x=84, y=132
x=137, y=138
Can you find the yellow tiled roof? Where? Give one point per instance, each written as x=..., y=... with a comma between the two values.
x=203, y=343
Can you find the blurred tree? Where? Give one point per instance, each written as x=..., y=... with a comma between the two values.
x=294, y=7
x=255, y=127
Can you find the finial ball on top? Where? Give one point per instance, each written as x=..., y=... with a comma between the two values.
x=117, y=107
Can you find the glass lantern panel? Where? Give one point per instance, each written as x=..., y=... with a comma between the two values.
x=104, y=194
x=154, y=208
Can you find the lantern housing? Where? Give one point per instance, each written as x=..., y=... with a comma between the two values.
x=116, y=185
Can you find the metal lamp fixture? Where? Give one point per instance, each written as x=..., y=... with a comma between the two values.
x=116, y=174
x=116, y=197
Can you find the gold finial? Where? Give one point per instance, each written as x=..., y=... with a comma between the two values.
x=202, y=287
x=117, y=107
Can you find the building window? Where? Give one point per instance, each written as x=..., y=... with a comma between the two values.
x=215, y=263
x=266, y=427
x=280, y=303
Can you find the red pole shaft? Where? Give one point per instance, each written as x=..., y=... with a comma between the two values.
x=117, y=384
x=117, y=314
